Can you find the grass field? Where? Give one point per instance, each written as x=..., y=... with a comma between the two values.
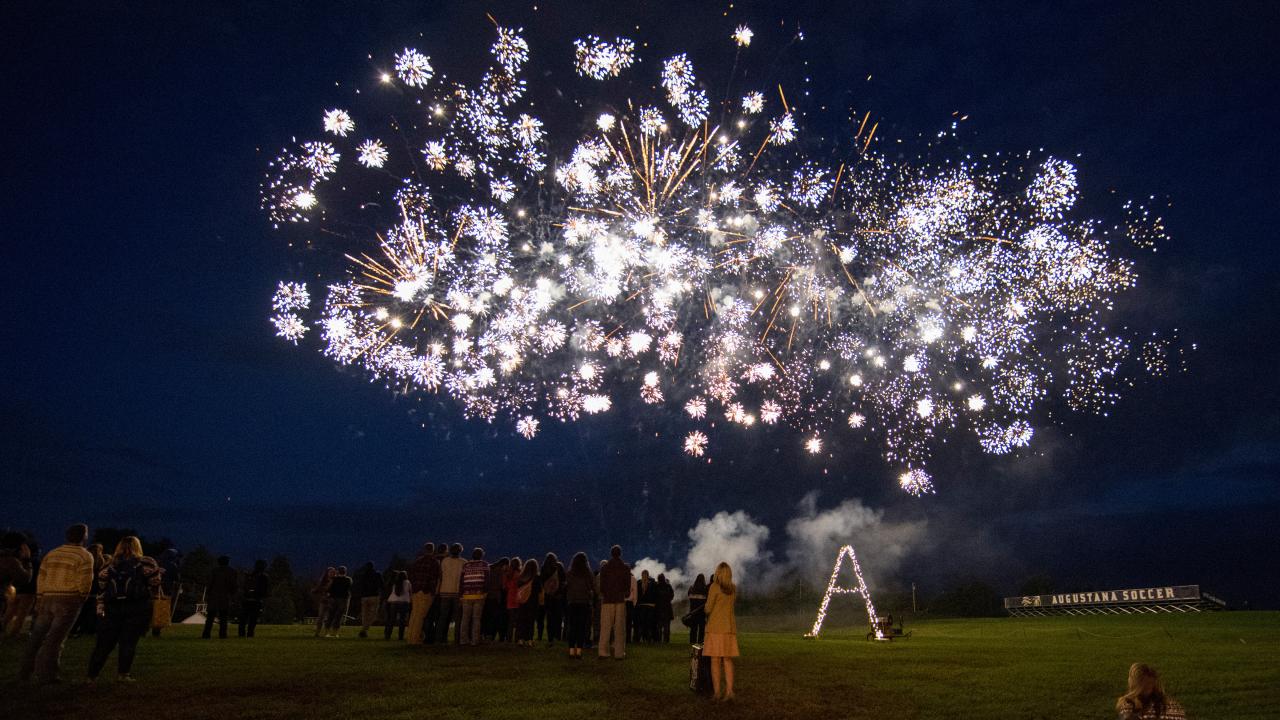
x=1221, y=665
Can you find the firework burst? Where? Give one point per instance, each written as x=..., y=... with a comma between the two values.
x=706, y=264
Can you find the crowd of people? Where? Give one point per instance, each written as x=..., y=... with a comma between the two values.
x=439, y=598
x=73, y=590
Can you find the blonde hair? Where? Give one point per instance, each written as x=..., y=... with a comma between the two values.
x=1145, y=691
x=724, y=578
x=129, y=546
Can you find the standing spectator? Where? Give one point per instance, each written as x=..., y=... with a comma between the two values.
x=553, y=597
x=63, y=581
x=15, y=562
x=511, y=589
x=495, y=609
x=256, y=588
x=170, y=580
x=697, y=610
x=646, y=620
x=87, y=623
x=321, y=594
x=1146, y=699
x=473, y=588
x=722, y=630
x=579, y=595
x=430, y=628
x=595, y=611
x=24, y=599
x=222, y=587
x=632, y=599
x=129, y=583
x=529, y=586
x=663, y=612
x=368, y=587
x=398, y=601
x=424, y=578
x=450, y=587
x=615, y=587
x=339, y=600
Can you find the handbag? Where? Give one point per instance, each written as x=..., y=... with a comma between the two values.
x=694, y=617
x=524, y=592
x=161, y=612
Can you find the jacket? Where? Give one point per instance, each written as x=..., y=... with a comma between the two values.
x=450, y=575
x=579, y=589
x=475, y=580
x=615, y=581
x=424, y=573
x=222, y=584
x=65, y=570
x=720, y=615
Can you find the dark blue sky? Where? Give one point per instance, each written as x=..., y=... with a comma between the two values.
x=143, y=386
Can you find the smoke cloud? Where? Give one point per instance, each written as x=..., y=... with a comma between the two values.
x=813, y=537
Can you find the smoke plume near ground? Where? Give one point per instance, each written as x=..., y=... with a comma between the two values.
x=811, y=539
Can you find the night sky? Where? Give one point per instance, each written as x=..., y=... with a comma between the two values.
x=144, y=386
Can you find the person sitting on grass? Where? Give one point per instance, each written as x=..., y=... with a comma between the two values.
x=1146, y=699
x=721, y=643
x=129, y=583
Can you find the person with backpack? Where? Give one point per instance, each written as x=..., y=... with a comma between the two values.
x=129, y=583
x=256, y=588
x=222, y=587
x=62, y=581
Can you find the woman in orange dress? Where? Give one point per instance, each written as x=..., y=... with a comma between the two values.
x=721, y=642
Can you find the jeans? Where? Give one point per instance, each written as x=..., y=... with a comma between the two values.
x=125, y=623
x=397, y=614
x=220, y=610
x=249, y=612
x=337, y=614
x=697, y=632
x=368, y=613
x=448, y=608
x=322, y=613
x=55, y=614
x=579, y=624
x=469, y=628
x=555, y=619
x=613, y=626
x=422, y=602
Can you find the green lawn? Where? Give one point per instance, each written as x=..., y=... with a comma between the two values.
x=1221, y=665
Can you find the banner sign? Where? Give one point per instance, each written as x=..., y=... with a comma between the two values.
x=1141, y=596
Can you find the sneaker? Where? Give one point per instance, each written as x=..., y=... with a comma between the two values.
x=126, y=679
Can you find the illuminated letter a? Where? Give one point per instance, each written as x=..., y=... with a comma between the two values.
x=833, y=589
